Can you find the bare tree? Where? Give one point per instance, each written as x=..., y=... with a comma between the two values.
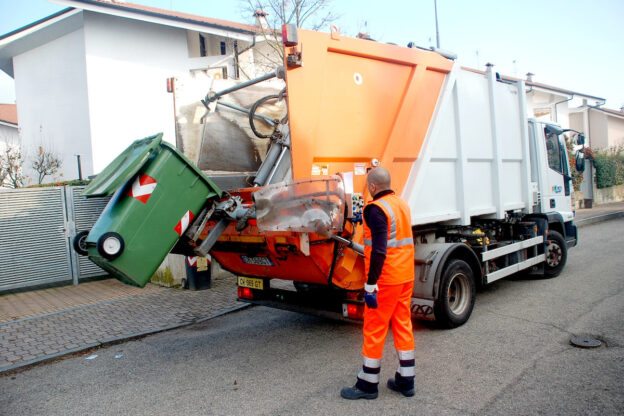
x=11, y=162
x=309, y=14
x=46, y=163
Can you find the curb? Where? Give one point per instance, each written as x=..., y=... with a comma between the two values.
x=114, y=340
x=599, y=218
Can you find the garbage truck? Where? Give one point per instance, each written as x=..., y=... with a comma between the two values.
x=489, y=188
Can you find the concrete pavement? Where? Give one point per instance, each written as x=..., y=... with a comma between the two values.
x=41, y=325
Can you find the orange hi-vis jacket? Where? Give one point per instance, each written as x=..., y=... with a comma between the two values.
x=399, y=264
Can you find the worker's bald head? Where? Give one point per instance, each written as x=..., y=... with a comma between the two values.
x=378, y=180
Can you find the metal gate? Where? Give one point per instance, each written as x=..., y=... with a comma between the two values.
x=36, y=229
x=82, y=214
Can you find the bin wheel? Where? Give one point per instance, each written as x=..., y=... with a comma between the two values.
x=80, y=243
x=110, y=245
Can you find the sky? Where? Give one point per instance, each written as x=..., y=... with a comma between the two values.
x=571, y=44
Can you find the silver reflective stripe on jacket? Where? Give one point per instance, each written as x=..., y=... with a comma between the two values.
x=392, y=241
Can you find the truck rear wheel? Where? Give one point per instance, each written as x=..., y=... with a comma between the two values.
x=556, y=254
x=456, y=297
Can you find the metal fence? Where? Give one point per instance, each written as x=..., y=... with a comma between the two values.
x=37, y=227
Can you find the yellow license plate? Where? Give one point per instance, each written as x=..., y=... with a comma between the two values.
x=250, y=282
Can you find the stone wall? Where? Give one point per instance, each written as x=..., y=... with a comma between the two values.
x=601, y=196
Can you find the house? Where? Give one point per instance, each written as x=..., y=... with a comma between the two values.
x=550, y=103
x=92, y=78
x=9, y=132
x=604, y=126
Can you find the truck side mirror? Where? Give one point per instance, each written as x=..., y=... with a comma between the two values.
x=580, y=139
x=580, y=161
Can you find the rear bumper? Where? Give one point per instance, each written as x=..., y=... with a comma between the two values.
x=326, y=304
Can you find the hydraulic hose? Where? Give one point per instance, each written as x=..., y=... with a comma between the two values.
x=252, y=113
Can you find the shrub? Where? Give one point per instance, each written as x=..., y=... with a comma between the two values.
x=577, y=177
x=609, y=165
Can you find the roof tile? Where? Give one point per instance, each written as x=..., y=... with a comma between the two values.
x=178, y=15
x=8, y=113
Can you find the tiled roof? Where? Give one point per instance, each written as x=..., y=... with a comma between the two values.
x=170, y=14
x=8, y=113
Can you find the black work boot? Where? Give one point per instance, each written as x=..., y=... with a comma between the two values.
x=353, y=393
x=362, y=390
x=403, y=385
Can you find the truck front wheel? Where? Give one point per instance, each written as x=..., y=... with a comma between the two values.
x=556, y=254
x=456, y=296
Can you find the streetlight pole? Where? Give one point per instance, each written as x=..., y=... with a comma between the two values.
x=435, y=6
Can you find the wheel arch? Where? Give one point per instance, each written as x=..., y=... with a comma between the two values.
x=462, y=252
x=554, y=219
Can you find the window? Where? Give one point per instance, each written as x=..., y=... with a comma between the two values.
x=202, y=46
x=553, y=151
x=223, y=49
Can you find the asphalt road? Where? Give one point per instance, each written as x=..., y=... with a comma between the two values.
x=512, y=357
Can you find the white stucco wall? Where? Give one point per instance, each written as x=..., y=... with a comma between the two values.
x=598, y=129
x=615, y=131
x=8, y=134
x=128, y=63
x=549, y=107
x=51, y=92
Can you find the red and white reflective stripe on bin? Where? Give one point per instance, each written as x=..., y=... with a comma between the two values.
x=183, y=224
x=142, y=188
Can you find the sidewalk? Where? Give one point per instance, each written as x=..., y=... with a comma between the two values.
x=599, y=213
x=41, y=325
x=44, y=324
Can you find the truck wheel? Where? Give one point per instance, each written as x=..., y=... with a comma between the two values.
x=80, y=243
x=556, y=254
x=456, y=297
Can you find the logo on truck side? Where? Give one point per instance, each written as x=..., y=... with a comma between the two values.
x=557, y=189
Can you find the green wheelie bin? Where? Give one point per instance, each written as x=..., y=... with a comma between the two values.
x=157, y=194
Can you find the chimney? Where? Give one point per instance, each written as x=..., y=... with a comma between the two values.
x=261, y=21
x=488, y=67
x=622, y=109
x=529, y=76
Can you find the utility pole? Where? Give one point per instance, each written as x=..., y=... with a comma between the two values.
x=435, y=6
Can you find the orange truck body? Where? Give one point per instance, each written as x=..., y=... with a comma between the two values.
x=351, y=102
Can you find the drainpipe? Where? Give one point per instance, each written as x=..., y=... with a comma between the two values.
x=560, y=102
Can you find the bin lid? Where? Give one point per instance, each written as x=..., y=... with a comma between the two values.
x=124, y=167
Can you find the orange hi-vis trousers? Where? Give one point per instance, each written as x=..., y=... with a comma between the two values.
x=393, y=307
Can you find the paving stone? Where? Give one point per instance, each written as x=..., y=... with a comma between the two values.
x=142, y=311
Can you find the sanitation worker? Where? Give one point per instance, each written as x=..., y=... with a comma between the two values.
x=389, y=265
